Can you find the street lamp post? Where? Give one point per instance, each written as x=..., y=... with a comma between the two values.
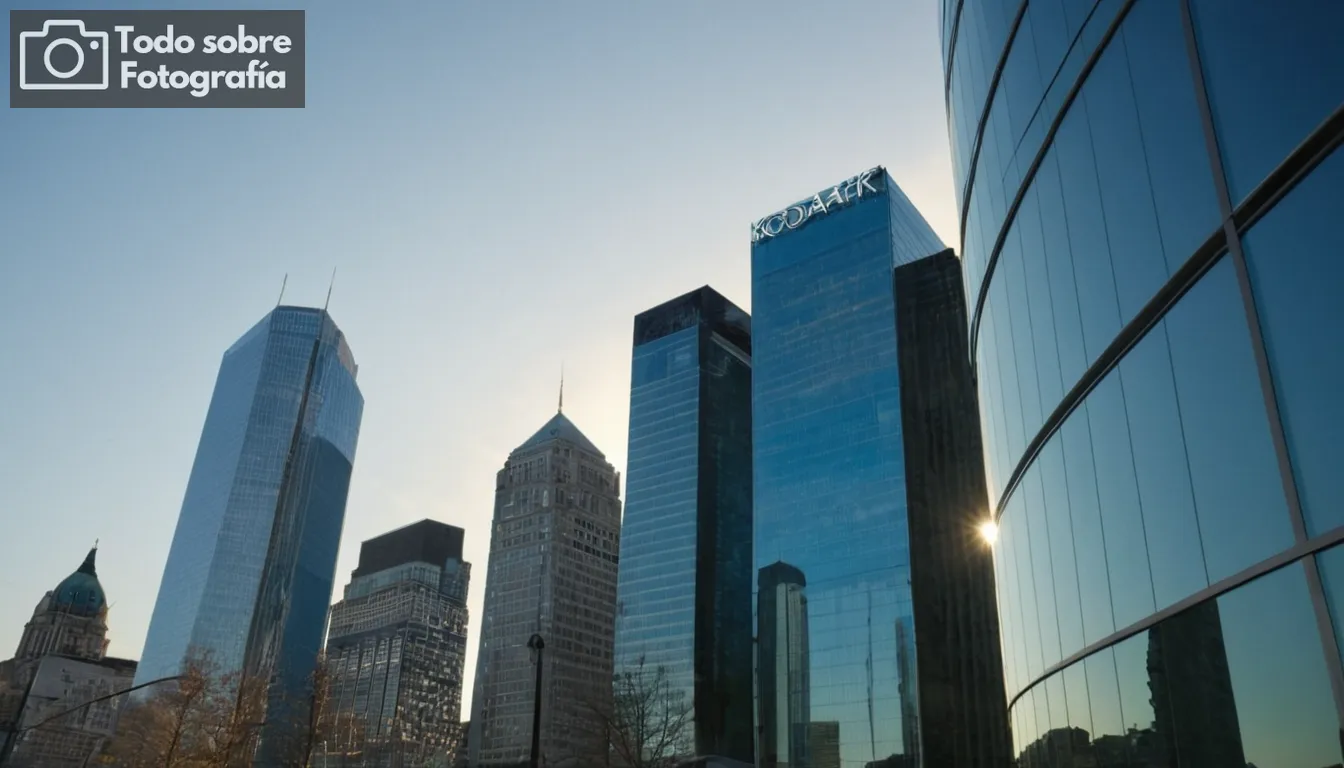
x=538, y=645
x=8, y=747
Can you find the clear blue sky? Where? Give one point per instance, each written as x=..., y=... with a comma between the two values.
x=500, y=186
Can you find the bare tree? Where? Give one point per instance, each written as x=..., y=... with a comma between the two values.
x=645, y=724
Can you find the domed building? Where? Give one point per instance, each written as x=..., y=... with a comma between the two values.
x=62, y=662
x=70, y=620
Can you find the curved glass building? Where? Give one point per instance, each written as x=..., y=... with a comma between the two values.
x=1151, y=198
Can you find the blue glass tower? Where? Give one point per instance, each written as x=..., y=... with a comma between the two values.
x=1151, y=194
x=684, y=587
x=250, y=571
x=867, y=471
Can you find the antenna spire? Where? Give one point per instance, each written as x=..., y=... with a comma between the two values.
x=282, y=289
x=561, y=407
x=330, y=286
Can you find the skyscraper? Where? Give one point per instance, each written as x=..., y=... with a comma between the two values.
x=554, y=551
x=396, y=648
x=784, y=668
x=684, y=591
x=1150, y=197
x=868, y=488
x=249, y=574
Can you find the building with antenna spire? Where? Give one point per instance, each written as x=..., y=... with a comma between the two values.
x=250, y=571
x=554, y=550
x=61, y=663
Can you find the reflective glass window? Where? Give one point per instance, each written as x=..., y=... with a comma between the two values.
x=1173, y=139
x=1122, y=173
x=1108, y=720
x=1008, y=375
x=1133, y=668
x=1094, y=584
x=1331, y=565
x=1074, y=677
x=1037, y=291
x=1092, y=271
x=1020, y=554
x=1273, y=73
x=1058, y=521
x=1042, y=567
x=1243, y=517
x=1064, y=297
x=1175, y=554
x=1297, y=273
x=1024, y=342
x=1121, y=519
x=1284, y=706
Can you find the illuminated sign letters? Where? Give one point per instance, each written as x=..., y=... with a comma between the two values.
x=848, y=191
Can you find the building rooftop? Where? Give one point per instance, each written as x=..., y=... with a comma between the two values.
x=560, y=428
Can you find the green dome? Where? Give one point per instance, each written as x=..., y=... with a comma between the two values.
x=80, y=593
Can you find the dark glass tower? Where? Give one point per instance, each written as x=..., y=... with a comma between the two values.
x=250, y=571
x=684, y=587
x=1151, y=195
x=396, y=649
x=868, y=487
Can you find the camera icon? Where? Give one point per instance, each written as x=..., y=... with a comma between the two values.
x=48, y=67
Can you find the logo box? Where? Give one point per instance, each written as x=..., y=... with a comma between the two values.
x=172, y=59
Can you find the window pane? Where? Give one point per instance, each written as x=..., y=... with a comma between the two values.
x=1024, y=345
x=1296, y=258
x=1121, y=520
x=1042, y=318
x=1284, y=704
x=1273, y=73
x=1027, y=587
x=1067, y=606
x=1243, y=518
x=1148, y=745
x=1331, y=565
x=1127, y=201
x=1008, y=376
x=1073, y=358
x=1030, y=489
x=1094, y=584
x=1087, y=232
x=1173, y=139
x=1170, y=528
x=1108, y=724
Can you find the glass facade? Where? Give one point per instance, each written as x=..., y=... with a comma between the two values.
x=395, y=652
x=839, y=662
x=1149, y=194
x=684, y=588
x=252, y=563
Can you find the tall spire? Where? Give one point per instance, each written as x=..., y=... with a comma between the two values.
x=561, y=407
x=87, y=566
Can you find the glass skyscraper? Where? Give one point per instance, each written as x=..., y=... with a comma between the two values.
x=1151, y=194
x=395, y=651
x=685, y=582
x=876, y=636
x=249, y=574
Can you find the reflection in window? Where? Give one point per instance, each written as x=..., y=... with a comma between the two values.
x=1243, y=517
x=1273, y=73
x=1331, y=565
x=1284, y=704
x=1297, y=276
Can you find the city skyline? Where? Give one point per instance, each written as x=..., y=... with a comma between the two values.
x=407, y=253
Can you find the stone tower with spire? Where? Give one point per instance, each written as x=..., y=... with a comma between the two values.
x=554, y=550
x=61, y=662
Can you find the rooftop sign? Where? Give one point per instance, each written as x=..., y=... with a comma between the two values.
x=849, y=191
